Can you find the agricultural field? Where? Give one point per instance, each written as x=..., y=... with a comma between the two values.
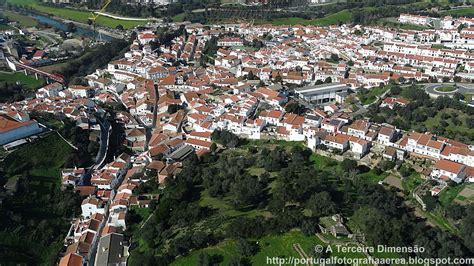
x=75, y=15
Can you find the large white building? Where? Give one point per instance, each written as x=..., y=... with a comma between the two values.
x=321, y=93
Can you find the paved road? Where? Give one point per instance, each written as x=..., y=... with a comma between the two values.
x=105, y=131
x=461, y=88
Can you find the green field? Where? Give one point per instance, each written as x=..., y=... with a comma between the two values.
x=75, y=15
x=339, y=17
x=24, y=21
x=28, y=81
x=465, y=12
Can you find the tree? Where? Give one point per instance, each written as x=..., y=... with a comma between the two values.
x=173, y=108
x=251, y=76
x=70, y=27
x=430, y=201
x=213, y=147
x=278, y=79
x=309, y=227
x=455, y=211
x=405, y=171
x=334, y=58
x=348, y=164
x=386, y=165
x=119, y=27
x=246, y=248
x=466, y=229
x=321, y=204
x=295, y=108
x=247, y=191
x=459, y=96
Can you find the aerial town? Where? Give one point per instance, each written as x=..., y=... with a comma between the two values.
x=259, y=82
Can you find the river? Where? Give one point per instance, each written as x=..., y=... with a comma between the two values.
x=81, y=31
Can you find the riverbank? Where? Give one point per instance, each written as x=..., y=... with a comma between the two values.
x=75, y=15
x=82, y=29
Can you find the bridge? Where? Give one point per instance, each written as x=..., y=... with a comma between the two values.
x=15, y=65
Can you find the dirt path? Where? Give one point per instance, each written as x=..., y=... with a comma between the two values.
x=302, y=254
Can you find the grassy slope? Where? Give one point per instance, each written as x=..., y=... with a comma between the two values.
x=371, y=94
x=468, y=12
x=76, y=15
x=28, y=81
x=45, y=168
x=339, y=17
x=25, y=21
x=46, y=157
x=269, y=246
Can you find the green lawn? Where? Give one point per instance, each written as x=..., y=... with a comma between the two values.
x=446, y=89
x=370, y=95
x=373, y=177
x=411, y=182
x=23, y=20
x=343, y=16
x=76, y=15
x=449, y=194
x=28, y=81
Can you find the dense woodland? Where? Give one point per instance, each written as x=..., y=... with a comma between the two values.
x=456, y=118
x=179, y=222
x=95, y=58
